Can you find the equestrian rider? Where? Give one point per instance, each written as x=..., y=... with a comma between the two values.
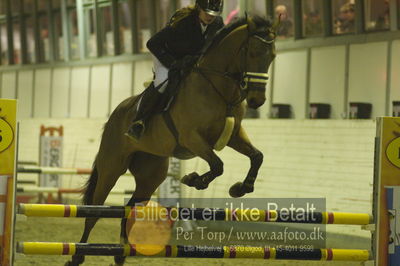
x=174, y=47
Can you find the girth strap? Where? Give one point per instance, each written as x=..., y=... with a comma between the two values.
x=171, y=126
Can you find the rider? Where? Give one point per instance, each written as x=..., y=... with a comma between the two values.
x=174, y=48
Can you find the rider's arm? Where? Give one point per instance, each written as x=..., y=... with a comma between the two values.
x=157, y=46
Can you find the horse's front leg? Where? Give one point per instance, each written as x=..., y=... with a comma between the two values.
x=241, y=143
x=198, y=146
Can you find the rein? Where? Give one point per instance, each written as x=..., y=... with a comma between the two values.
x=230, y=105
x=241, y=81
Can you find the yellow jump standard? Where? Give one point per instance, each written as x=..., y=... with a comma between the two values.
x=48, y=248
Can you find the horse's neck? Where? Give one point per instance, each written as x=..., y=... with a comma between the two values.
x=222, y=56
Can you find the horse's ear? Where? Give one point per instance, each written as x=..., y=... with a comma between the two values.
x=276, y=24
x=251, y=25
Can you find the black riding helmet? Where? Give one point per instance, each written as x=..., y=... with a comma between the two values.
x=211, y=7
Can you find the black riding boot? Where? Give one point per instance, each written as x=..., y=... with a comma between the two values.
x=148, y=102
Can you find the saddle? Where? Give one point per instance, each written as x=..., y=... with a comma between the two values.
x=178, y=71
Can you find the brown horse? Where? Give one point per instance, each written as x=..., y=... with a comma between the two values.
x=206, y=115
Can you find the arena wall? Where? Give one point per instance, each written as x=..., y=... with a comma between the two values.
x=335, y=75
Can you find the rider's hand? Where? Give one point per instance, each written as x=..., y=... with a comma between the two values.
x=187, y=62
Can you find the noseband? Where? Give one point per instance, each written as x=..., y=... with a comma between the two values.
x=254, y=77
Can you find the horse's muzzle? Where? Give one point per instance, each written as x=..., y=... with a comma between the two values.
x=255, y=94
x=254, y=103
x=255, y=99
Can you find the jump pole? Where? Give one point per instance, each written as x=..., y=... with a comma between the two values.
x=33, y=169
x=51, y=248
x=35, y=189
x=47, y=170
x=249, y=215
x=8, y=136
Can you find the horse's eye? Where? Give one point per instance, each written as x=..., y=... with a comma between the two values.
x=272, y=36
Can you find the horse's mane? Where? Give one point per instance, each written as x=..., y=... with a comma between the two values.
x=261, y=22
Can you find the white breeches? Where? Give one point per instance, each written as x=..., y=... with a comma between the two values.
x=161, y=75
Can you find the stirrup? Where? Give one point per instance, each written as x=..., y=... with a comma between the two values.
x=136, y=130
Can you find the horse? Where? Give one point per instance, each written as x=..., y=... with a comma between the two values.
x=206, y=115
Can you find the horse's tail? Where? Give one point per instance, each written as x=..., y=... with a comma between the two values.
x=90, y=186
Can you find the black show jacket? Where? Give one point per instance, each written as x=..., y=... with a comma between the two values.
x=182, y=38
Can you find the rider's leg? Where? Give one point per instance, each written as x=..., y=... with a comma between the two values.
x=149, y=100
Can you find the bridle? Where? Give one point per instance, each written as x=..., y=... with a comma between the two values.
x=241, y=79
x=252, y=77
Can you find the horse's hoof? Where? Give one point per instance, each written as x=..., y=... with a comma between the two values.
x=71, y=263
x=117, y=264
x=190, y=179
x=239, y=190
x=194, y=180
x=119, y=260
x=200, y=185
x=236, y=190
x=248, y=188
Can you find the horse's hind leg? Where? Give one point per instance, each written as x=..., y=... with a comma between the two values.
x=241, y=143
x=100, y=183
x=149, y=172
x=196, y=144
